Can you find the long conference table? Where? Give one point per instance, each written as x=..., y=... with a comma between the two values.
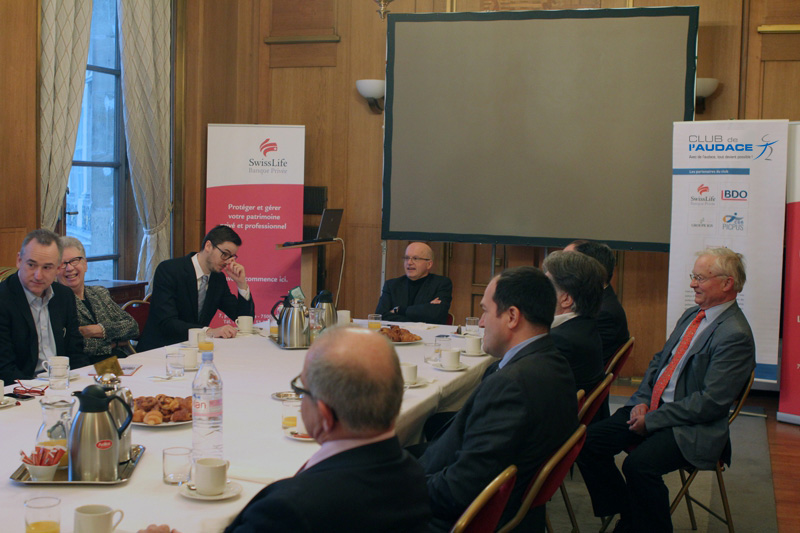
x=252, y=368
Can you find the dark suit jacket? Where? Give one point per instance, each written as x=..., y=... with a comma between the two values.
x=377, y=487
x=395, y=293
x=518, y=415
x=19, y=343
x=719, y=364
x=578, y=340
x=612, y=324
x=173, y=306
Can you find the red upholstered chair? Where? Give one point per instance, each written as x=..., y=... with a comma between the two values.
x=450, y=319
x=615, y=364
x=549, y=477
x=485, y=511
x=138, y=309
x=595, y=400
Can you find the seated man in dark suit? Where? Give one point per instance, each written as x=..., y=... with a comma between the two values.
x=578, y=280
x=360, y=479
x=612, y=323
x=38, y=318
x=679, y=415
x=188, y=291
x=419, y=296
x=523, y=409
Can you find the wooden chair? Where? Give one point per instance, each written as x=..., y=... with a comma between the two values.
x=139, y=310
x=616, y=363
x=485, y=511
x=720, y=467
x=147, y=297
x=549, y=477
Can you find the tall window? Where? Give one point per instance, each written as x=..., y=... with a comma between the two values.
x=95, y=196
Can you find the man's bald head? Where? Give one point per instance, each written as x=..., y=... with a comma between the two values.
x=418, y=260
x=357, y=373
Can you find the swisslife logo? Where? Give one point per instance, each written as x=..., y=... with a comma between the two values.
x=702, y=197
x=269, y=164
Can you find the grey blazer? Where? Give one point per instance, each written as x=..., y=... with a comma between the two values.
x=719, y=365
x=119, y=325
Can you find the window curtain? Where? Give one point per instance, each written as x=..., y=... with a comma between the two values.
x=65, y=49
x=145, y=55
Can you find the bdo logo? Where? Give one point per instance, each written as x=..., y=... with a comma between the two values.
x=733, y=194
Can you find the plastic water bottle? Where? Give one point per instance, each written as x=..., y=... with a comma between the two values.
x=207, y=410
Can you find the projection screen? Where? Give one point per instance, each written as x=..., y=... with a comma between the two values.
x=536, y=127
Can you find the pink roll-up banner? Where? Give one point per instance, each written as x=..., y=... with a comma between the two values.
x=789, y=405
x=255, y=185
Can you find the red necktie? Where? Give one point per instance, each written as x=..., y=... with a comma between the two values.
x=666, y=375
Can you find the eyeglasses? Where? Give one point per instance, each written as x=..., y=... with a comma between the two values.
x=226, y=255
x=72, y=262
x=32, y=391
x=414, y=259
x=703, y=279
x=300, y=391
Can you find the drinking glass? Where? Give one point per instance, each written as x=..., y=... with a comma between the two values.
x=43, y=515
x=471, y=327
x=374, y=321
x=175, y=365
x=177, y=464
x=290, y=413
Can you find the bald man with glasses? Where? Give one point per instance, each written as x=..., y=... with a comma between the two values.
x=419, y=296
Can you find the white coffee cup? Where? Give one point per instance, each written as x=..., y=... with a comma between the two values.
x=55, y=361
x=245, y=324
x=451, y=359
x=301, y=425
x=196, y=335
x=189, y=357
x=210, y=476
x=342, y=316
x=96, y=519
x=409, y=371
x=473, y=345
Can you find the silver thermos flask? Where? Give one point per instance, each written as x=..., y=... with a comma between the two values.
x=94, y=436
x=113, y=387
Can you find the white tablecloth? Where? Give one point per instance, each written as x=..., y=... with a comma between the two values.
x=252, y=368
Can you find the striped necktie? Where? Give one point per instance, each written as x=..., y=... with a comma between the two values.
x=666, y=375
x=201, y=294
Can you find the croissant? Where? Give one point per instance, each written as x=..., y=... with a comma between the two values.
x=153, y=418
x=181, y=415
x=138, y=415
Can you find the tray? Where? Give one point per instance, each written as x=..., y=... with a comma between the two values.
x=285, y=348
x=125, y=471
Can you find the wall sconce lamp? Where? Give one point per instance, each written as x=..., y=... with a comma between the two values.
x=373, y=91
x=382, y=5
x=704, y=87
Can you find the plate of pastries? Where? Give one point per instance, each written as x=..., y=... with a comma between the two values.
x=399, y=335
x=162, y=411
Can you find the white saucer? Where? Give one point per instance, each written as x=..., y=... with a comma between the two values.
x=421, y=382
x=461, y=367
x=292, y=434
x=5, y=401
x=231, y=489
x=43, y=376
x=467, y=354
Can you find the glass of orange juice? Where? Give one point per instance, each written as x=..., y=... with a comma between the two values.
x=43, y=515
x=290, y=410
x=374, y=321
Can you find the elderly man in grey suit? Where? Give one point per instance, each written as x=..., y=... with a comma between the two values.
x=679, y=415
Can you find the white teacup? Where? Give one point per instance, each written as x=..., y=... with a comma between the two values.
x=245, y=324
x=451, y=359
x=473, y=345
x=96, y=519
x=409, y=371
x=189, y=357
x=196, y=335
x=210, y=476
x=342, y=316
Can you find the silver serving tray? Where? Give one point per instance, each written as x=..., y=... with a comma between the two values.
x=125, y=471
x=282, y=347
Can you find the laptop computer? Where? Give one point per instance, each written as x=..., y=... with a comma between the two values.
x=328, y=227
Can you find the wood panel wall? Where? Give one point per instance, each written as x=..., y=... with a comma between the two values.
x=19, y=170
x=233, y=75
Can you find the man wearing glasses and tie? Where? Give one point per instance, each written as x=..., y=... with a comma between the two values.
x=419, y=296
x=188, y=291
x=679, y=416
